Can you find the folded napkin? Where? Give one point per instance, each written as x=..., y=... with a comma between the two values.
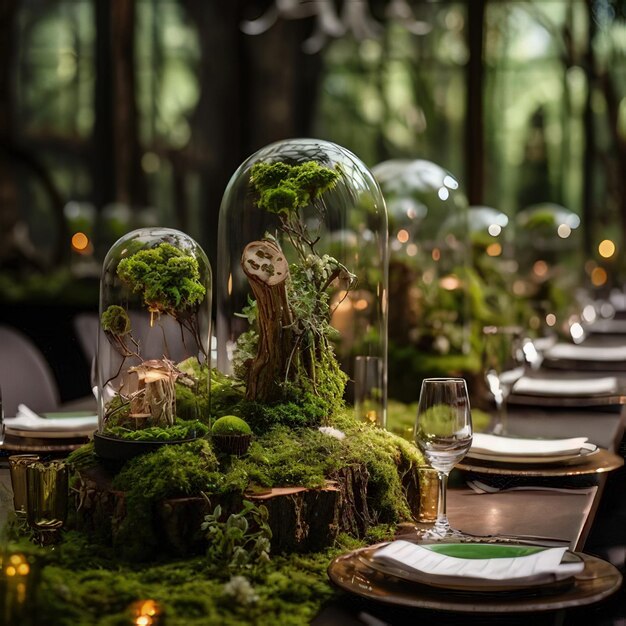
x=566, y=387
x=510, y=446
x=412, y=557
x=26, y=419
x=586, y=353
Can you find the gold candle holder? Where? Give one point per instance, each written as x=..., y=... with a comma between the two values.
x=429, y=495
x=17, y=465
x=47, y=495
x=368, y=390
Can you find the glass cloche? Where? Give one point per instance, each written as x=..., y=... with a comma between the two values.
x=548, y=249
x=153, y=358
x=428, y=279
x=302, y=278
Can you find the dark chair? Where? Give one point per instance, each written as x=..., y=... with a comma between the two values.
x=25, y=376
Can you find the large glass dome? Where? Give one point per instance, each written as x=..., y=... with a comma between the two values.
x=548, y=246
x=429, y=248
x=153, y=356
x=302, y=275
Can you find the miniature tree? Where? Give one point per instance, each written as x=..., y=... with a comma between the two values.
x=289, y=344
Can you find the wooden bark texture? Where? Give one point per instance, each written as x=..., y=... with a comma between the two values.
x=301, y=519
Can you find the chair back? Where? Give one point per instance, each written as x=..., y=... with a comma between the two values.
x=25, y=376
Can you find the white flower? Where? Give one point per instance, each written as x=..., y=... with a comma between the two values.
x=332, y=432
x=241, y=591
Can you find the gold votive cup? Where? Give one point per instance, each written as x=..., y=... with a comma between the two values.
x=369, y=402
x=429, y=495
x=47, y=495
x=17, y=466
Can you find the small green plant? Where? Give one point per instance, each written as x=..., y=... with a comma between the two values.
x=240, y=542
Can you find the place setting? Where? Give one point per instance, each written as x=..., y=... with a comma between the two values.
x=568, y=389
x=441, y=567
x=50, y=432
x=510, y=377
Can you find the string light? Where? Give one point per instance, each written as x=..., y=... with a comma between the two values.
x=606, y=248
x=80, y=241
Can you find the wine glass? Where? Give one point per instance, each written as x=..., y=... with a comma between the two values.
x=443, y=432
x=503, y=366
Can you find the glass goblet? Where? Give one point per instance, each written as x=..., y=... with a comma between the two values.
x=503, y=365
x=443, y=432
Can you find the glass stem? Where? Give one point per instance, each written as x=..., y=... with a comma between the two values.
x=442, y=517
x=500, y=427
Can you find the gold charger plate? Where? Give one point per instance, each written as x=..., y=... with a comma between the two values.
x=599, y=462
x=351, y=573
x=31, y=444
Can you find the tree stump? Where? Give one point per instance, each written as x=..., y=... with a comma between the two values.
x=301, y=519
x=267, y=270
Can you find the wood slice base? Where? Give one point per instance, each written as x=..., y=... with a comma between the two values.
x=301, y=519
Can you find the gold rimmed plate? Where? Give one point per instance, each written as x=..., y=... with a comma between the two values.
x=352, y=573
x=601, y=461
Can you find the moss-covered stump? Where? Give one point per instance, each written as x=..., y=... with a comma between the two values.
x=301, y=519
x=310, y=483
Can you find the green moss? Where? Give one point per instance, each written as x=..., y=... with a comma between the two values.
x=181, y=430
x=115, y=320
x=84, y=457
x=167, y=278
x=174, y=470
x=77, y=589
x=230, y=425
x=284, y=188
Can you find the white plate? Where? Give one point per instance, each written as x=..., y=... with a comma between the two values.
x=586, y=451
x=53, y=425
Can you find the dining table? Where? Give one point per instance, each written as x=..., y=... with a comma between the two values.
x=551, y=505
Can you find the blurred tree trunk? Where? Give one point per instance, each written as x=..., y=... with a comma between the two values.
x=16, y=249
x=9, y=211
x=253, y=90
x=130, y=184
x=474, y=126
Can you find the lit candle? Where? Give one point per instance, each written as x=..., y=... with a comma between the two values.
x=147, y=613
x=17, y=573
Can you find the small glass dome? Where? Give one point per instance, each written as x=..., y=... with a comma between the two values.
x=548, y=249
x=153, y=356
x=302, y=275
x=429, y=249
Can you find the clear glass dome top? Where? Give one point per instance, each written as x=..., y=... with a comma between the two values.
x=153, y=343
x=548, y=249
x=429, y=247
x=302, y=270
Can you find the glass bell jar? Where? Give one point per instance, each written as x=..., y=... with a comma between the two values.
x=548, y=249
x=492, y=266
x=302, y=278
x=153, y=357
x=428, y=283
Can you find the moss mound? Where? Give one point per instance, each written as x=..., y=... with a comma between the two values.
x=230, y=425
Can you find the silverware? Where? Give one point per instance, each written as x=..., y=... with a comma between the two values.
x=479, y=487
